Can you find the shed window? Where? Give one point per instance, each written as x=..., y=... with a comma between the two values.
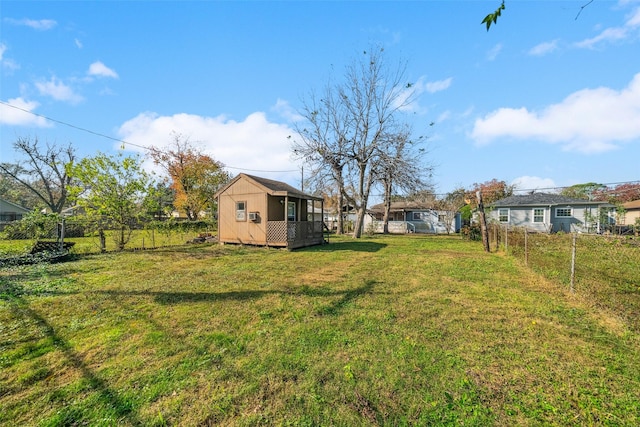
x=241, y=211
x=503, y=215
x=538, y=215
x=563, y=212
x=291, y=211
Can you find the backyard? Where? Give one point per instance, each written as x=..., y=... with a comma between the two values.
x=384, y=330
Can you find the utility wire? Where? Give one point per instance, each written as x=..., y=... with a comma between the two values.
x=123, y=142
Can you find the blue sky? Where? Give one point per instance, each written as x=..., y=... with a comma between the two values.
x=549, y=97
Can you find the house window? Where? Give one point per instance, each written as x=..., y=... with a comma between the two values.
x=503, y=215
x=538, y=215
x=563, y=212
x=442, y=218
x=417, y=216
x=241, y=211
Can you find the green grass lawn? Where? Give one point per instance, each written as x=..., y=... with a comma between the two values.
x=399, y=330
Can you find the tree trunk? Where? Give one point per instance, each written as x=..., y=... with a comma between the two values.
x=340, y=225
x=387, y=205
x=103, y=240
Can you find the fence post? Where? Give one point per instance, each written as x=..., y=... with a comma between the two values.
x=526, y=248
x=61, y=247
x=573, y=261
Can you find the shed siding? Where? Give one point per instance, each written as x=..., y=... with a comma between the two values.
x=246, y=232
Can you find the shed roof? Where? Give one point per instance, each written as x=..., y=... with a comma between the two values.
x=270, y=186
x=635, y=204
x=544, y=199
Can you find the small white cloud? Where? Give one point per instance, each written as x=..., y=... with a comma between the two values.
x=7, y=63
x=19, y=113
x=529, y=183
x=607, y=36
x=437, y=86
x=98, y=69
x=78, y=43
x=544, y=48
x=284, y=109
x=634, y=19
x=588, y=121
x=494, y=52
x=36, y=24
x=59, y=91
x=253, y=144
x=614, y=34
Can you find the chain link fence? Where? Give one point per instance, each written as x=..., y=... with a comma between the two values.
x=94, y=235
x=604, y=268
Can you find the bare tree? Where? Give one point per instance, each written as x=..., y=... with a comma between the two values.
x=400, y=169
x=321, y=144
x=450, y=205
x=351, y=123
x=43, y=171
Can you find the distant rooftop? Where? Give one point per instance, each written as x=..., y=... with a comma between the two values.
x=543, y=199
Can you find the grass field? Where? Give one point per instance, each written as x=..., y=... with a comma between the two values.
x=399, y=330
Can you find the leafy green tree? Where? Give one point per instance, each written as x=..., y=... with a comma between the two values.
x=492, y=17
x=113, y=190
x=587, y=191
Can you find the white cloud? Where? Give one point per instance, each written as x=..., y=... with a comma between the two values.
x=98, y=69
x=588, y=121
x=7, y=63
x=58, y=91
x=544, y=48
x=608, y=35
x=286, y=111
x=494, y=52
x=78, y=43
x=17, y=113
x=437, y=86
x=408, y=98
x=613, y=34
x=36, y=24
x=253, y=145
x=528, y=183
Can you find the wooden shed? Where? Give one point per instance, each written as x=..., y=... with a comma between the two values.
x=260, y=211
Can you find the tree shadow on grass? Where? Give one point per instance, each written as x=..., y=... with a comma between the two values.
x=347, y=297
x=121, y=407
x=169, y=298
x=355, y=246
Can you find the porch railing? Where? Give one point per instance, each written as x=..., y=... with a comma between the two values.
x=294, y=233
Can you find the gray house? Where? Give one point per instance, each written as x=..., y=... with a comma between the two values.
x=551, y=213
x=414, y=217
x=11, y=212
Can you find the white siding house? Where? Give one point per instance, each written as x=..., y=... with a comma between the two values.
x=551, y=213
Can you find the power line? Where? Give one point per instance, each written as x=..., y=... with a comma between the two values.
x=121, y=140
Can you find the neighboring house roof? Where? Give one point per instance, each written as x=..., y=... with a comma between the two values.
x=635, y=204
x=5, y=203
x=270, y=186
x=544, y=199
x=404, y=206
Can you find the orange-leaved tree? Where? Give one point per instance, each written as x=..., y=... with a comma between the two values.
x=195, y=177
